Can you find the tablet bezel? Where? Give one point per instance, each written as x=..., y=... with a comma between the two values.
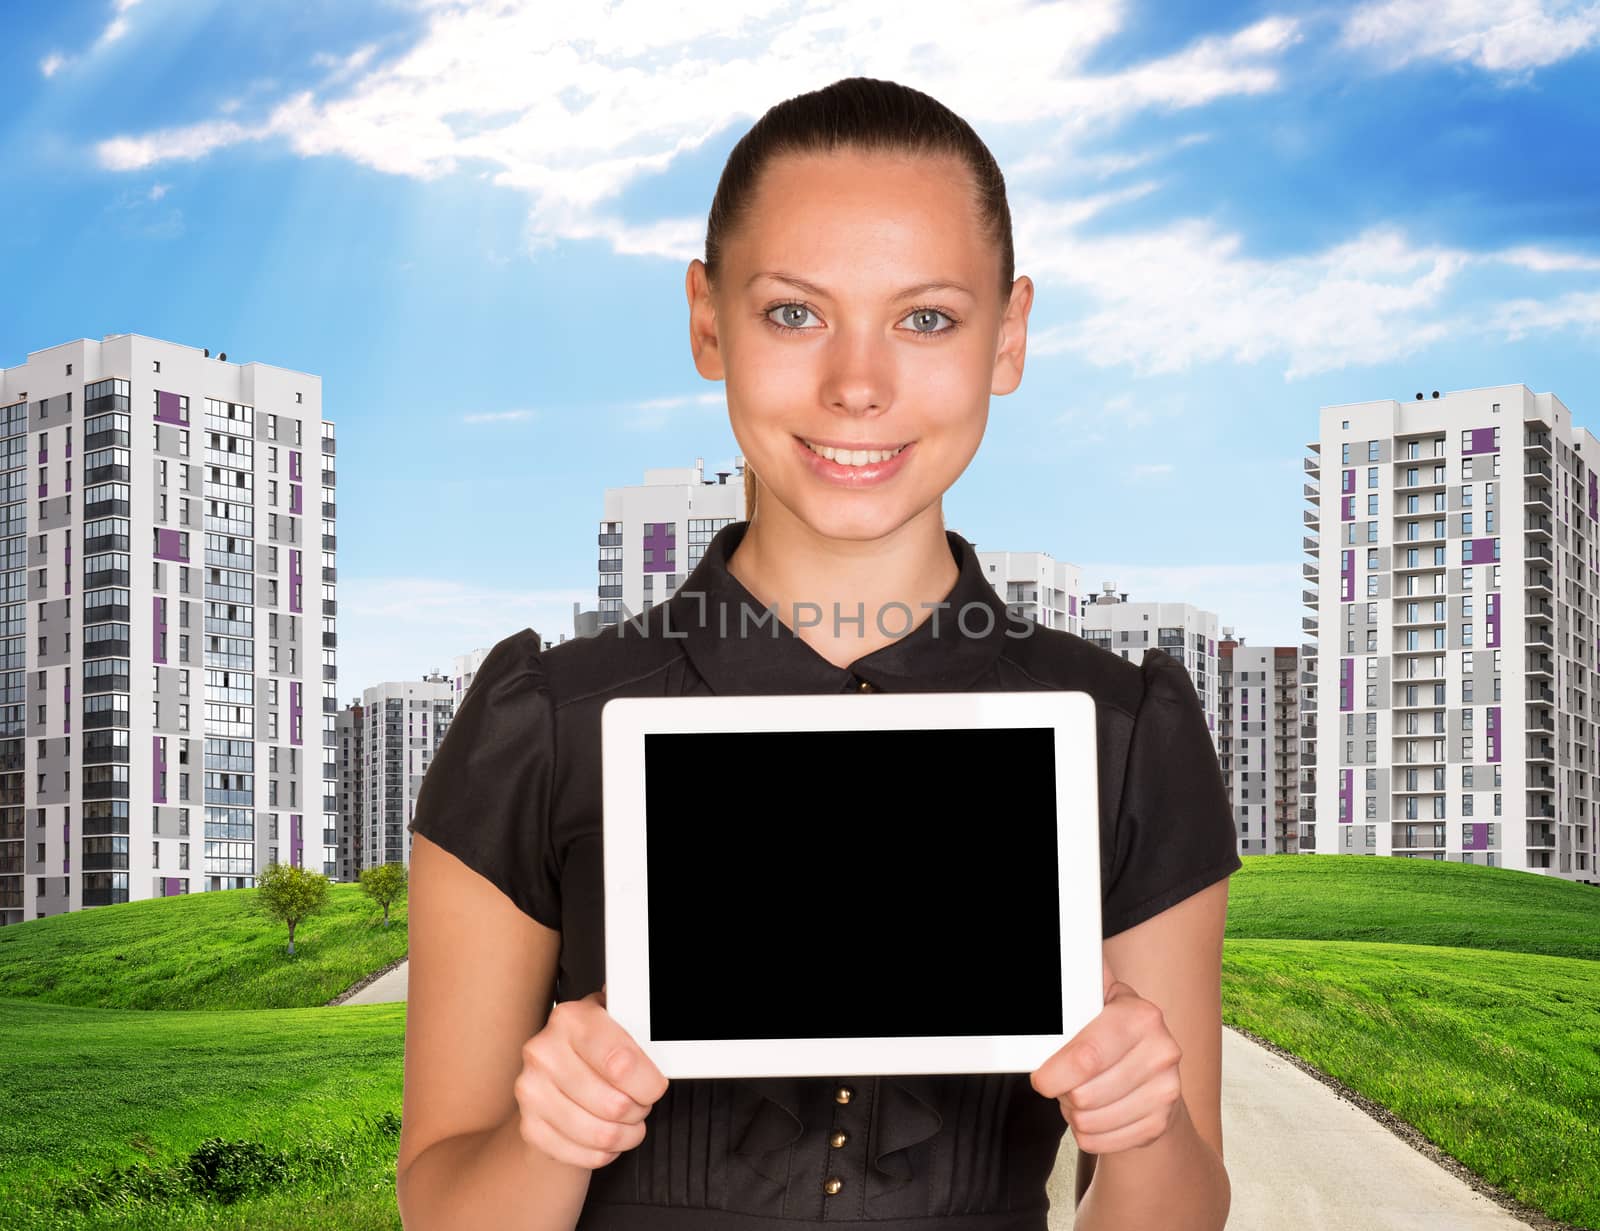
x=625, y=721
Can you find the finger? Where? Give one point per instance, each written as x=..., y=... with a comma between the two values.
x=552, y=1145
x=576, y=1078
x=1090, y=1052
x=1106, y=978
x=1134, y=1135
x=1158, y=1092
x=576, y=1122
x=1144, y=1063
x=611, y=1052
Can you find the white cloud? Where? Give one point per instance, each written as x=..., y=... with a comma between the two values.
x=500, y=416
x=1578, y=309
x=157, y=191
x=573, y=104
x=52, y=64
x=1499, y=36
x=1260, y=602
x=398, y=628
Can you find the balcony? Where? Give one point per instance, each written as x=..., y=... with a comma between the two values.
x=1541, y=720
x=1539, y=579
x=1309, y=598
x=1308, y=623
x=1541, y=779
x=1541, y=606
x=1533, y=468
x=1541, y=837
x=1313, y=494
x=1308, y=649
x=1308, y=760
x=1537, y=497
x=1537, y=442
x=1313, y=465
x=1309, y=571
x=1311, y=518
x=1539, y=634
x=1541, y=692
x=1541, y=750
x=1538, y=524
x=1537, y=551
x=1541, y=811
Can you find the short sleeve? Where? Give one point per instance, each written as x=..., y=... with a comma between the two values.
x=1174, y=832
x=486, y=796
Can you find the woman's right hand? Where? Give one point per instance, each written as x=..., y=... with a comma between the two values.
x=585, y=1086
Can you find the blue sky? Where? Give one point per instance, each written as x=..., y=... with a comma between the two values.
x=472, y=219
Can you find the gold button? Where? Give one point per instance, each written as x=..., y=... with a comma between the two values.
x=864, y=686
x=833, y=1185
x=837, y=1140
x=843, y=1095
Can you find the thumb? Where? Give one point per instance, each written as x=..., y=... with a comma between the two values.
x=1106, y=977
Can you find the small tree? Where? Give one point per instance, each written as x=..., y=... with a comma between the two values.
x=289, y=894
x=384, y=884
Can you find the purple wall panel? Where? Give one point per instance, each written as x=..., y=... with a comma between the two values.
x=1492, y=728
x=1211, y=643
x=1479, y=551
x=170, y=887
x=169, y=409
x=294, y=498
x=1072, y=604
x=1482, y=441
x=167, y=546
x=1347, y=482
x=158, y=769
x=1494, y=621
x=659, y=540
x=1346, y=795
x=1347, y=684
x=1347, y=508
x=294, y=465
x=1477, y=836
x=1347, y=576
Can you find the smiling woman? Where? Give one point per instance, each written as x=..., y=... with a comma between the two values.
x=858, y=300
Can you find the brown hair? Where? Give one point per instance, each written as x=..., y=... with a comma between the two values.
x=858, y=113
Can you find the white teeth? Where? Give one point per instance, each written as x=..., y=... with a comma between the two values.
x=852, y=457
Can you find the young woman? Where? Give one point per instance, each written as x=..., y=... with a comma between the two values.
x=857, y=298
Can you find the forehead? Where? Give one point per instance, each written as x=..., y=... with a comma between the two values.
x=852, y=212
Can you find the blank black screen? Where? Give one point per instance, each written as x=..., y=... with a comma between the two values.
x=870, y=884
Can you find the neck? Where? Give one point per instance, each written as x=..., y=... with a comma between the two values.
x=818, y=585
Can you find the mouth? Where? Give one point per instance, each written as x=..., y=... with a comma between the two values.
x=858, y=455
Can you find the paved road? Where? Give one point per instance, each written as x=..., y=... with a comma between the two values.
x=1298, y=1155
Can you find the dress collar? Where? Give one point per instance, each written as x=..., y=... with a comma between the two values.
x=740, y=648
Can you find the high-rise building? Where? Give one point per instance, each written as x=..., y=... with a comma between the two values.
x=652, y=535
x=1184, y=631
x=153, y=737
x=1258, y=741
x=1035, y=586
x=350, y=731
x=465, y=668
x=1453, y=602
x=392, y=734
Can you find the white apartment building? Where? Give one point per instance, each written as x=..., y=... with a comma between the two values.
x=464, y=669
x=1258, y=727
x=1036, y=586
x=652, y=535
x=1453, y=601
x=392, y=734
x=154, y=736
x=1188, y=633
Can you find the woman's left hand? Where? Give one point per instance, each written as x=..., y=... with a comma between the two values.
x=1117, y=1079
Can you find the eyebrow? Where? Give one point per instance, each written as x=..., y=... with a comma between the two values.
x=811, y=288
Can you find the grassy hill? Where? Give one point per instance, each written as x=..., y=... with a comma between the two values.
x=87, y=1092
x=1412, y=901
x=199, y=951
x=1464, y=999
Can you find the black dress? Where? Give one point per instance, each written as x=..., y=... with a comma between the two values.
x=514, y=792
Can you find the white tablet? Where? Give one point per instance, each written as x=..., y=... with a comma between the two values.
x=824, y=885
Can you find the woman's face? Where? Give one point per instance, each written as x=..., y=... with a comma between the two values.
x=865, y=359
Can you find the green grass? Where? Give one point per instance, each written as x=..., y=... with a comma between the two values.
x=1492, y=1056
x=1412, y=901
x=1464, y=998
x=84, y=1092
x=199, y=951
